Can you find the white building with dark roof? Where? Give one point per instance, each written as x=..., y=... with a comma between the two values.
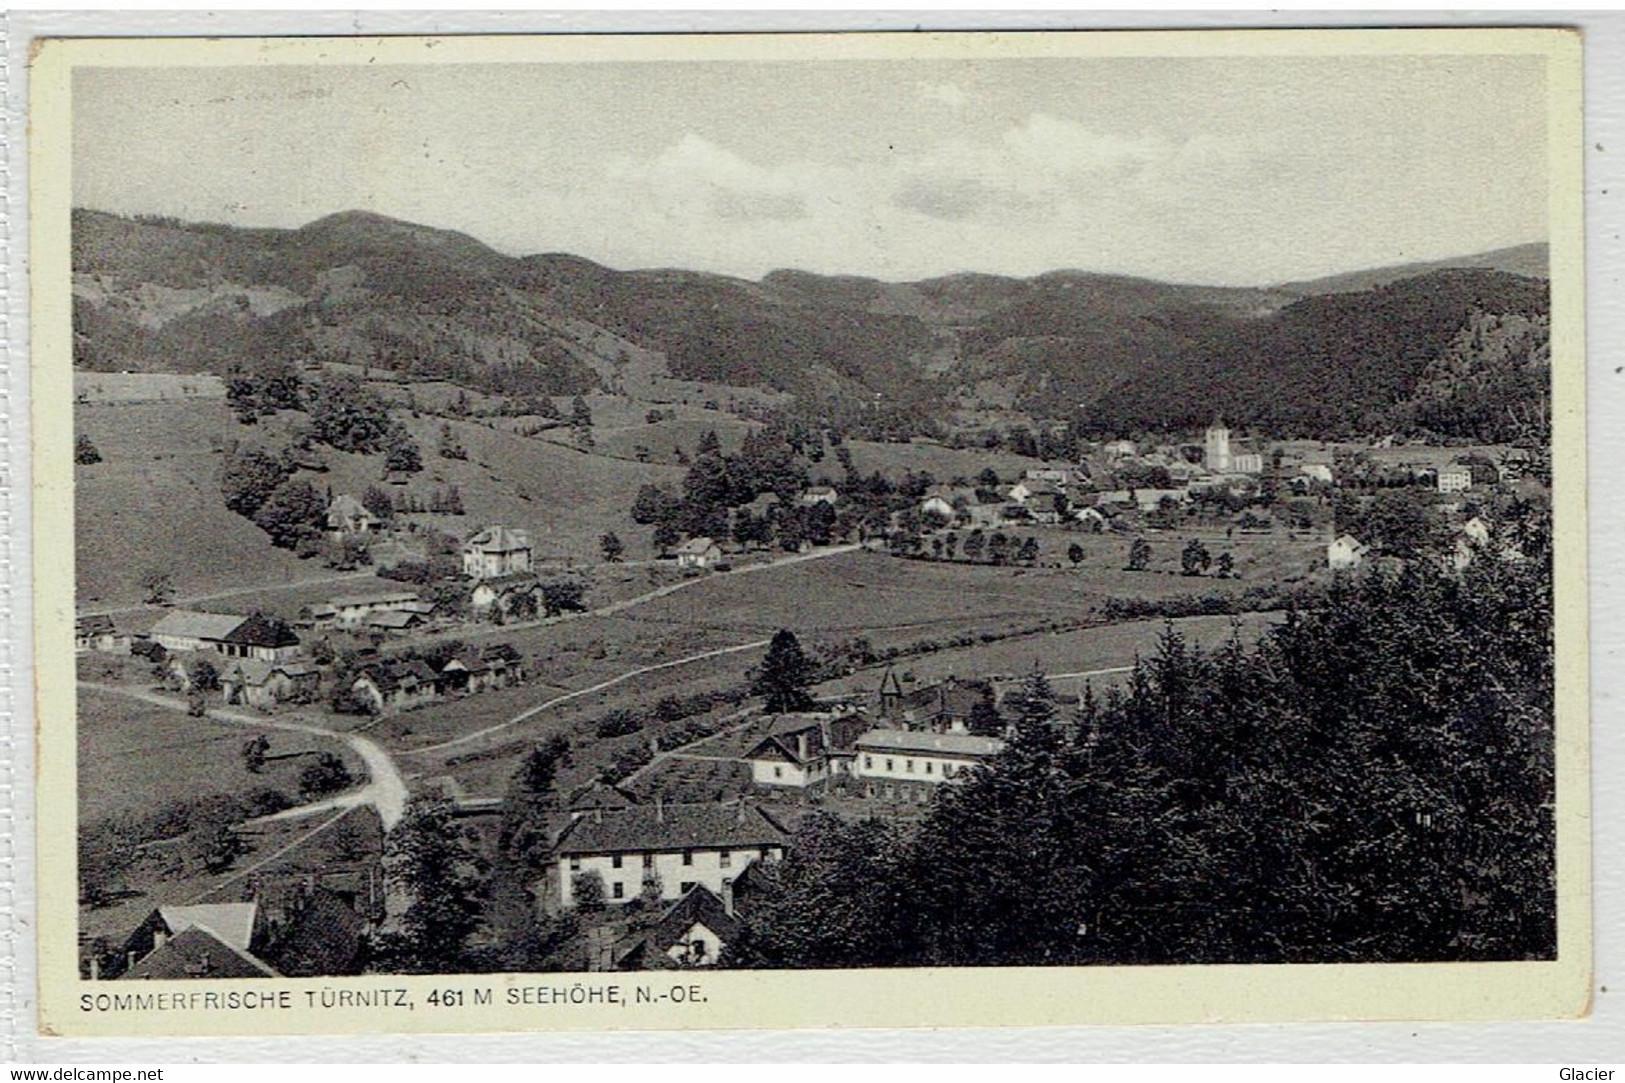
x=681, y=846
x=497, y=551
x=918, y=756
x=186, y=630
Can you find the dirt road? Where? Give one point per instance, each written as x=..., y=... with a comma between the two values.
x=385, y=789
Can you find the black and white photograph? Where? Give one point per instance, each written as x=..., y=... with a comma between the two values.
x=840, y=509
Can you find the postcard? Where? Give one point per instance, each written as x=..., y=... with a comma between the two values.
x=806, y=530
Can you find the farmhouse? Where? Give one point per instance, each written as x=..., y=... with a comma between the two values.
x=802, y=750
x=97, y=633
x=943, y=707
x=395, y=622
x=680, y=846
x=893, y=756
x=506, y=593
x=355, y=610
x=261, y=637
x=692, y=932
x=264, y=684
x=1120, y=449
x=1022, y=492
x=1046, y=507
x=1346, y=552
x=398, y=684
x=497, y=551
x=212, y=940
x=698, y=553
x=494, y=666
x=348, y=517
x=185, y=630
x=820, y=494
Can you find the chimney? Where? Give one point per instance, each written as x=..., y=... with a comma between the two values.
x=598, y=815
x=159, y=939
x=129, y=960
x=660, y=809
x=742, y=807
x=96, y=966
x=727, y=899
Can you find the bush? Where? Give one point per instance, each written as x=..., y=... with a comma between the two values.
x=618, y=723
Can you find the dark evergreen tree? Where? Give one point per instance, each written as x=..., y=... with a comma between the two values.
x=785, y=675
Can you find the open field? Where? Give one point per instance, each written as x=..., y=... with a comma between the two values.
x=1082, y=650
x=155, y=495
x=153, y=502
x=942, y=463
x=135, y=757
x=890, y=600
x=116, y=387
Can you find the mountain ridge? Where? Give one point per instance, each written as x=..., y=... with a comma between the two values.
x=368, y=289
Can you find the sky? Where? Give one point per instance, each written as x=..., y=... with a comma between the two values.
x=1226, y=171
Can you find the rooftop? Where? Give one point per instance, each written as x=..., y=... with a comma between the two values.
x=193, y=625
x=500, y=539
x=198, y=952
x=955, y=744
x=671, y=827
x=394, y=597
x=231, y=922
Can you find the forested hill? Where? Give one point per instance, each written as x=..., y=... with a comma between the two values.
x=165, y=295
x=1401, y=357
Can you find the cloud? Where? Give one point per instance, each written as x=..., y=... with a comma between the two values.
x=695, y=174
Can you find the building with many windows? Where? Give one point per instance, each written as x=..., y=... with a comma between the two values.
x=674, y=846
x=892, y=756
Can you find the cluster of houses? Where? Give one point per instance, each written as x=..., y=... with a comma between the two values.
x=699, y=865
x=309, y=926
x=394, y=684
x=1471, y=538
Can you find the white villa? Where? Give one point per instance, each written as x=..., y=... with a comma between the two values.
x=497, y=551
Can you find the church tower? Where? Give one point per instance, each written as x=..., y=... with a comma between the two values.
x=1218, y=447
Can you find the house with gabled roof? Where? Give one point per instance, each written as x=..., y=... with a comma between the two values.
x=693, y=932
x=1346, y=551
x=679, y=846
x=98, y=633
x=205, y=940
x=497, y=551
x=398, y=684
x=263, y=684
x=355, y=610
x=348, y=517
x=188, y=630
x=258, y=636
x=698, y=553
x=943, y=706
x=504, y=592
x=804, y=749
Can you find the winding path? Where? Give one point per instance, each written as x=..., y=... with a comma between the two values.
x=385, y=790
x=530, y=712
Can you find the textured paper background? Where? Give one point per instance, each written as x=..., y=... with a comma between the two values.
x=1118, y=1044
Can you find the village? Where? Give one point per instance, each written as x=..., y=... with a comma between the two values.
x=655, y=846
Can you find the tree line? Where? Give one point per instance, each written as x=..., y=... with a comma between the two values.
x=1372, y=782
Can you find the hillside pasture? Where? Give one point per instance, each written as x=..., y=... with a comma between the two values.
x=1082, y=650
x=153, y=502
x=136, y=757
x=890, y=600
x=941, y=462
